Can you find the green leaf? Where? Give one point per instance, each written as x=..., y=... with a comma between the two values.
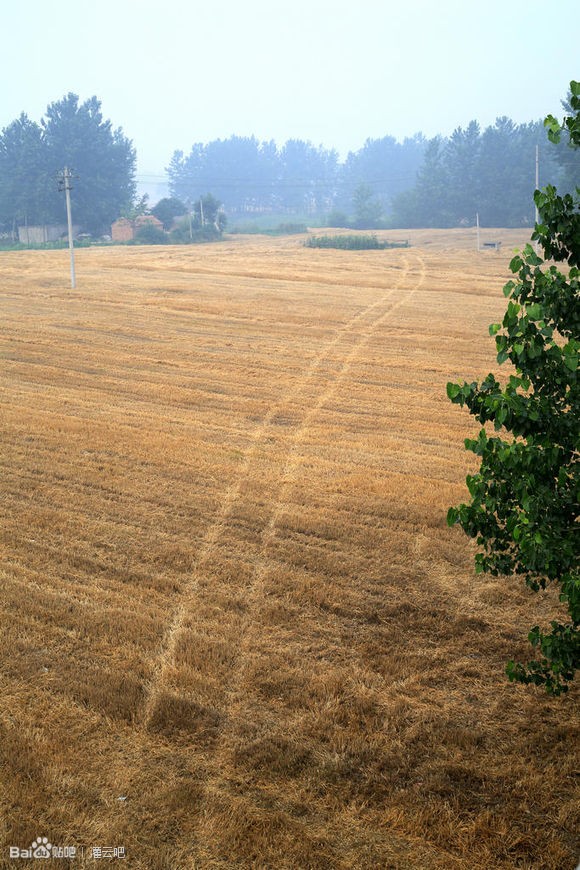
x=553, y=128
x=472, y=485
x=531, y=256
x=516, y=264
x=494, y=328
x=501, y=417
x=453, y=390
x=508, y=288
x=452, y=516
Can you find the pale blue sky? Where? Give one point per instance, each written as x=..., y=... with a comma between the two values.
x=332, y=71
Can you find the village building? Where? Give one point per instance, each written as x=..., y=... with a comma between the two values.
x=125, y=230
x=40, y=235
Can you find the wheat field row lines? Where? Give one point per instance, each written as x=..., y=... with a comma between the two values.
x=237, y=631
x=288, y=470
x=247, y=641
x=228, y=500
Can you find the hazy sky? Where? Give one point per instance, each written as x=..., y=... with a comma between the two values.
x=332, y=71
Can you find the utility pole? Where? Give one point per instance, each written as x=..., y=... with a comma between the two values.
x=477, y=225
x=189, y=205
x=64, y=183
x=537, y=188
x=537, y=179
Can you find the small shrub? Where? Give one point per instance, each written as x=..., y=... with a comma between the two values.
x=184, y=234
x=352, y=242
x=150, y=235
x=349, y=243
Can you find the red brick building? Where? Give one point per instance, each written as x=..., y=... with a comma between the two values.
x=124, y=230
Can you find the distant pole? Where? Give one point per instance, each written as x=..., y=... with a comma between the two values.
x=537, y=179
x=65, y=184
x=537, y=188
x=201, y=210
x=477, y=225
x=189, y=205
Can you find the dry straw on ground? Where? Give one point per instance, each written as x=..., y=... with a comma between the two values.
x=229, y=595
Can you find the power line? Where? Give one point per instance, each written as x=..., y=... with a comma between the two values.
x=279, y=183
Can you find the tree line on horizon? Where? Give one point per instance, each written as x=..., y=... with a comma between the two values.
x=417, y=182
x=253, y=177
x=438, y=182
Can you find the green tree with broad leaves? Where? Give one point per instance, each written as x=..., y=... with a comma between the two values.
x=24, y=186
x=167, y=209
x=103, y=160
x=524, y=509
x=73, y=135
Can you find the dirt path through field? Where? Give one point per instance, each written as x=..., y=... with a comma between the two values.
x=296, y=395
x=238, y=712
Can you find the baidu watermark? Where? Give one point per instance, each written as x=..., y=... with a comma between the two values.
x=41, y=848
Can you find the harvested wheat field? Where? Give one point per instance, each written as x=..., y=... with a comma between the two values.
x=237, y=631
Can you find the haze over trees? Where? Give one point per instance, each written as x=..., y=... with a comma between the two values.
x=250, y=176
x=70, y=134
x=416, y=182
x=441, y=182
x=491, y=172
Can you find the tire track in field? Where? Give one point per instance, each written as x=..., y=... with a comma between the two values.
x=235, y=702
x=231, y=495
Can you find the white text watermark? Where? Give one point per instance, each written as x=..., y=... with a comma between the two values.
x=41, y=847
